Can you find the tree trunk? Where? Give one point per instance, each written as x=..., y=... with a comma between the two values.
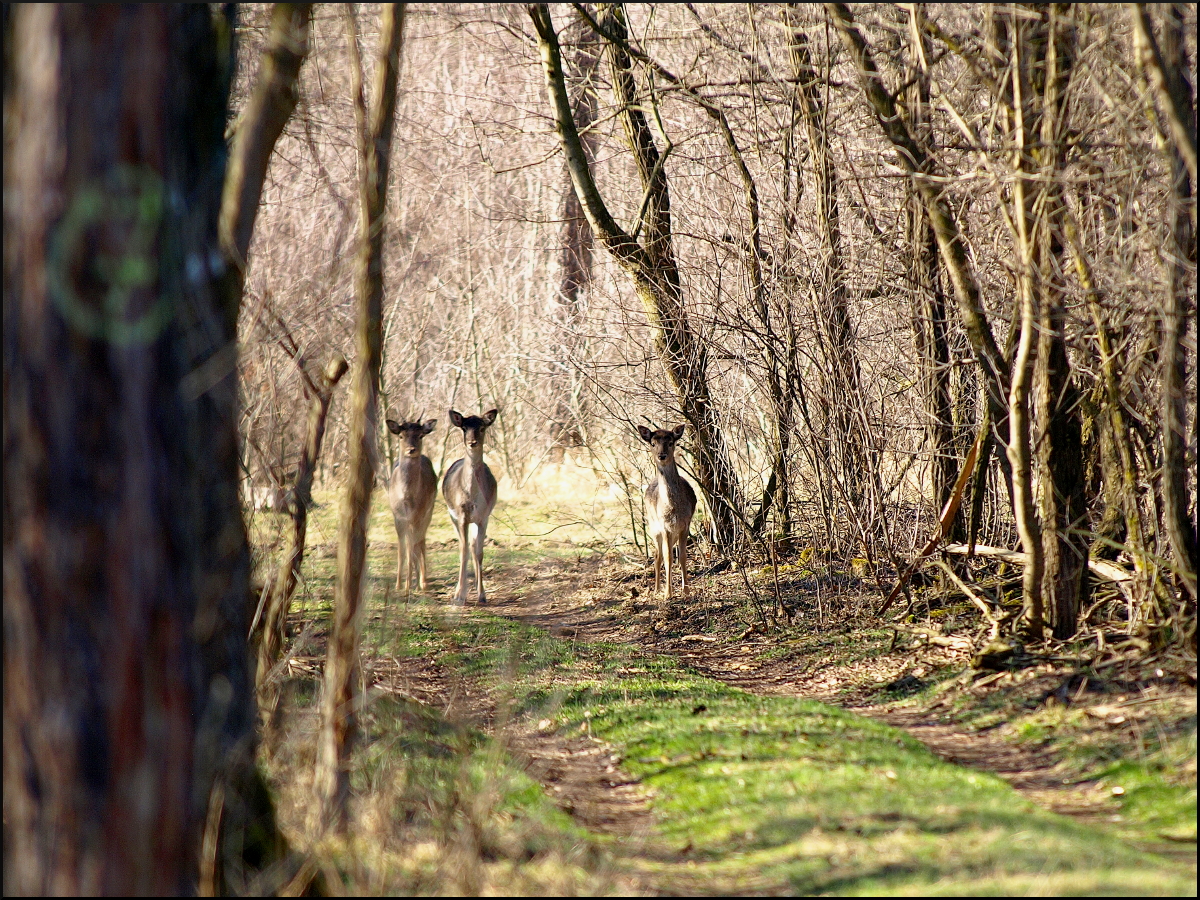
x=1020, y=454
x=266, y=112
x=575, y=260
x=1047, y=53
x=128, y=702
x=1168, y=76
x=340, y=699
x=1169, y=67
x=651, y=264
x=279, y=592
x=1027, y=194
x=929, y=301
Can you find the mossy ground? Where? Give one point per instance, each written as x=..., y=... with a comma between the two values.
x=750, y=791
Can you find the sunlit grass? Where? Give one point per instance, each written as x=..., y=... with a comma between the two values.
x=749, y=793
x=780, y=794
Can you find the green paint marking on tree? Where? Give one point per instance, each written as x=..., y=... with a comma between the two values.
x=128, y=197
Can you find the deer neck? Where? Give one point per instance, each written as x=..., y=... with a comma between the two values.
x=668, y=472
x=472, y=460
x=408, y=468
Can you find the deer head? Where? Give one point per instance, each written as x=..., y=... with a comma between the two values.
x=411, y=434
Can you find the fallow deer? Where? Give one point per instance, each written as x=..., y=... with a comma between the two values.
x=470, y=491
x=411, y=492
x=670, y=505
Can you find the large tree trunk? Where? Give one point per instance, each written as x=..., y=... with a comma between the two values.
x=128, y=702
x=1166, y=66
x=340, y=699
x=929, y=301
x=575, y=261
x=1043, y=70
x=651, y=263
x=841, y=390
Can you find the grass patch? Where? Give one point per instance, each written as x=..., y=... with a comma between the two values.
x=749, y=793
x=779, y=794
x=437, y=808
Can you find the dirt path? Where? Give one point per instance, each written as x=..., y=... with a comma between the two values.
x=580, y=774
x=580, y=601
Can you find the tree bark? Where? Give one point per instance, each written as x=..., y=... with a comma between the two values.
x=340, y=698
x=268, y=109
x=128, y=702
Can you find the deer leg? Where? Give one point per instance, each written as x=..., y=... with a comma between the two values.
x=411, y=581
x=420, y=558
x=657, y=561
x=480, y=536
x=683, y=561
x=667, y=558
x=399, y=557
x=460, y=595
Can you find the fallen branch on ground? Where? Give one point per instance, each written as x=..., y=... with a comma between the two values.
x=1100, y=567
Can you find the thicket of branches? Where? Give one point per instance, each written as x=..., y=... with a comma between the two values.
x=907, y=240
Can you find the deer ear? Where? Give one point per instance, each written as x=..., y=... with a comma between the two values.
x=456, y=418
x=646, y=433
x=490, y=416
x=678, y=432
x=393, y=426
x=430, y=425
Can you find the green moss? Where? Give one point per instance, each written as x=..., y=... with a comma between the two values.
x=749, y=793
x=778, y=793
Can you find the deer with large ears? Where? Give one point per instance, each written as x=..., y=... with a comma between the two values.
x=470, y=491
x=670, y=505
x=411, y=491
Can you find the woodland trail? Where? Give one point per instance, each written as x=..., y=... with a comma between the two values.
x=579, y=601
x=620, y=708
x=580, y=774
x=574, y=613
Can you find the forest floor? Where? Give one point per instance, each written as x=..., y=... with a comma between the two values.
x=577, y=735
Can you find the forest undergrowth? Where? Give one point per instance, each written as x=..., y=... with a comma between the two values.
x=578, y=736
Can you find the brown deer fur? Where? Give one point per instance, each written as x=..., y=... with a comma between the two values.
x=411, y=492
x=670, y=505
x=470, y=491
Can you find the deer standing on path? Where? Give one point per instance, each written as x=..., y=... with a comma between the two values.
x=411, y=491
x=470, y=491
x=670, y=505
